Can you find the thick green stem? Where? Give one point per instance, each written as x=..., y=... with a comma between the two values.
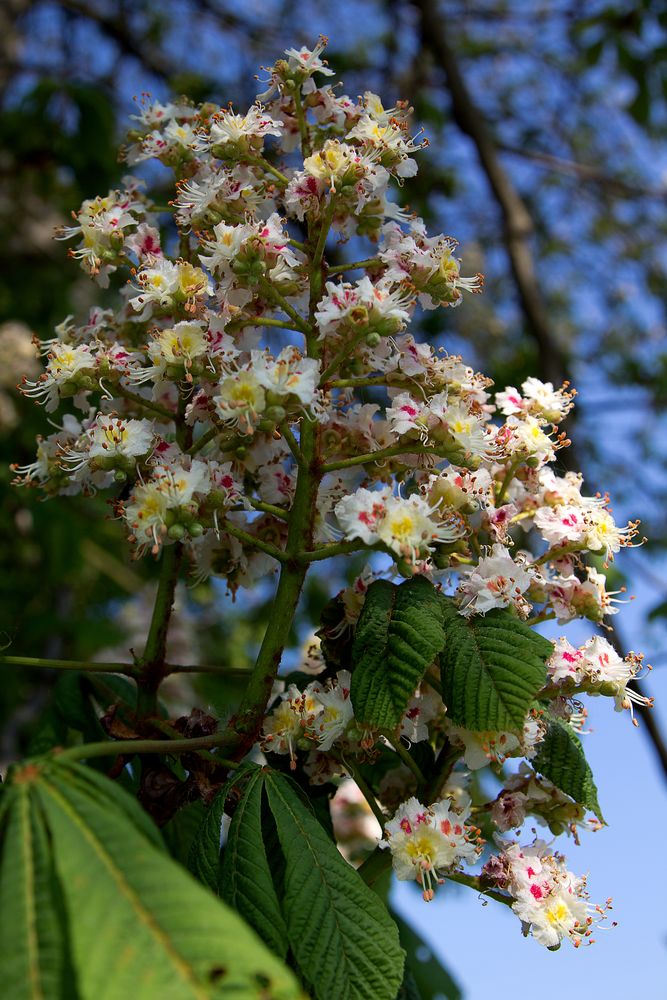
x=152, y=664
x=357, y=383
x=339, y=549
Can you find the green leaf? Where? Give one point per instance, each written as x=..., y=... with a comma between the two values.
x=140, y=926
x=247, y=882
x=492, y=668
x=561, y=759
x=34, y=952
x=341, y=935
x=398, y=636
x=430, y=979
x=204, y=855
x=181, y=830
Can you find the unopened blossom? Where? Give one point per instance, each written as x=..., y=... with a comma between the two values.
x=498, y=581
x=427, y=841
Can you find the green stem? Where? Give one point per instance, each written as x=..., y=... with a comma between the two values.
x=338, y=549
x=375, y=865
x=399, y=749
x=342, y=355
x=89, y=667
x=444, y=766
x=304, y=131
x=355, y=265
x=379, y=456
x=253, y=541
x=286, y=307
x=147, y=404
x=292, y=443
x=509, y=476
x=210, y=435
x=152, y=664
x=318, y=254
x=557, y=552
x=476, y=882
x=128, y=747
x=259, y=161
x=268, y=508
x=544, y=616
x=366, y=791
x=357, y=383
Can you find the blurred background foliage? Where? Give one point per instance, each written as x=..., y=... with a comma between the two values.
x=547, y=159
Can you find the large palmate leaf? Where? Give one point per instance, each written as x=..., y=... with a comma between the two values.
x=398, y=636
x=133, y=922
x=492, y=667
x=34, y=954
x=342, y=937
x=561, y=759
x=247, y=883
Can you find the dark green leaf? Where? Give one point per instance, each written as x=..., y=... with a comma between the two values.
x=492, y=668
x=561, y=759
x=342, y=937
x=204, y=856
x=247, y=882
x=398, y=636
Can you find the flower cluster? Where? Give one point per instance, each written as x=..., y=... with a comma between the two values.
x=550, y=901
x=260, y=406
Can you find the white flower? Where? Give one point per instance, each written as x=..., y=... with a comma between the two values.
x=290, y=374
x=240, y=400
x=331, y=723
x=404, y=525
x=426, y=841
x=496, y=582
x=565, y=663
